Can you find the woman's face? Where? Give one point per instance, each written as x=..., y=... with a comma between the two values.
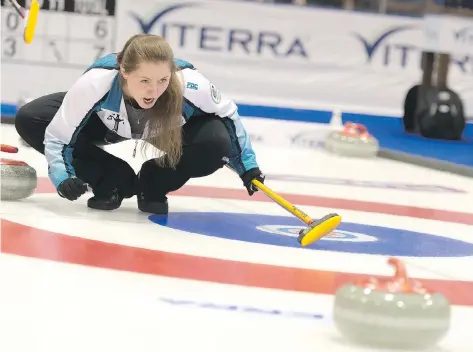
x=147, y=82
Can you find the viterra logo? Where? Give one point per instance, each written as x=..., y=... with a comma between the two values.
x=387, y=49
x=218, y=36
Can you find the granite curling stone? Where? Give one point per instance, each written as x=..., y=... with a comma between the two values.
x=18, y=179
x=396, y=314
x=352, y=141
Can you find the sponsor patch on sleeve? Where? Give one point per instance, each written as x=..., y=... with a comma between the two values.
x=216, y=95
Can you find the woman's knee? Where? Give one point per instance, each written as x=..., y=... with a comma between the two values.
x=42, y=109
x=22, y=119
x=208, y=152
x=218, y=147
x=217, y=142
x=30, y=129
x=204, y=160
x=32, y=119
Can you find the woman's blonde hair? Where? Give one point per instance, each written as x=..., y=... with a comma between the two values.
x=164, y=128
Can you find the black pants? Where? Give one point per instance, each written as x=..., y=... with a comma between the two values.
x=205, y=142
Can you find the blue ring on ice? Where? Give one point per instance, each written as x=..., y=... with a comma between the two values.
x=283, y=231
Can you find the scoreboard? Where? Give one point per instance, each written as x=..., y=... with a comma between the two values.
x=69, y=33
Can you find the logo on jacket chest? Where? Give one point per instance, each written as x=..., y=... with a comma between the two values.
x=115, y=122
x=115, y=117
x=112, y=119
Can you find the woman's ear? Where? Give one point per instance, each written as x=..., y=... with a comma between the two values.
x=122, y=71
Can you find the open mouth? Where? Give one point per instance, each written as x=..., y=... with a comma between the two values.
x=148, y=100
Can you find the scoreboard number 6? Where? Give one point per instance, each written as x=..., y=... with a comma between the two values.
x=101, y=29
x=101, y=32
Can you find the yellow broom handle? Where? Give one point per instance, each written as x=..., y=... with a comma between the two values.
x=31, y=22
x=282, y=202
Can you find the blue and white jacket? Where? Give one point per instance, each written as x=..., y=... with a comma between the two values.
x=98, y=91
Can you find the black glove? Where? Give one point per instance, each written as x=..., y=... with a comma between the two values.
x=72, y=188
x=249, y=176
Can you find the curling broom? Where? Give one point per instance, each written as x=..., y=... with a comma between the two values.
x=30, y=18
x=315, y=230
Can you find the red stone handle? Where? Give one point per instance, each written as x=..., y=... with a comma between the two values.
x=11, y=162
x=354, y=129
x=399, y=283
x=400, y=275
x=8, y=148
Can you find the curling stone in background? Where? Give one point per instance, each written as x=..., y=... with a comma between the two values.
x=353, y=141
x=396, y=313
x=18, y=179
x=443, y=115
x=434, y=113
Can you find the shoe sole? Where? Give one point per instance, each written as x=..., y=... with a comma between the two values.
x=103, y=207
x=154, y=208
